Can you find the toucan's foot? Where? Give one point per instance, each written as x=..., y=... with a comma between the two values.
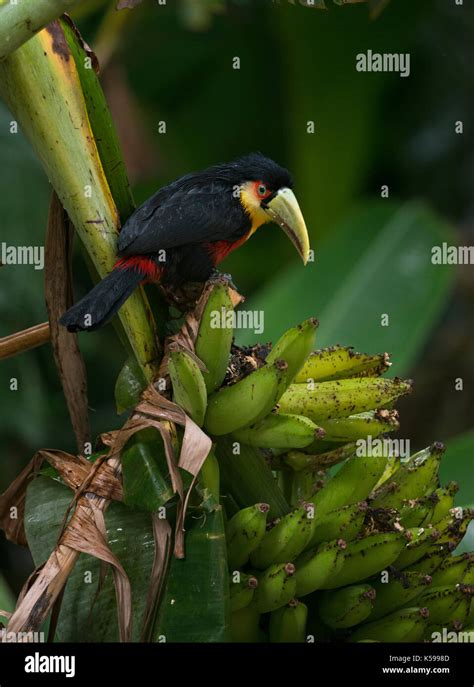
x=219, y=277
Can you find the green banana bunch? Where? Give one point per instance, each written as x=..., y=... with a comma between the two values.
x=327, y=400
x=276, y=587
x=294, y=347
x=213, y=343
x=413, y=479
x=369, y=547
x=372, y=423
x=401, y=590
x=189, y=389
x=315, y=567
x=347, y=607
x=345, y=522
x=245, y=402
x=351, y=484
x=280, y=431
x=244, y=532
x=366, y=557
x=285, y=540
x=242, y=592
x=340, y=362
x=288, y=623
x=406, y=625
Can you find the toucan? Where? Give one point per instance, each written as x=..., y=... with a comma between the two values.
x=186, y=228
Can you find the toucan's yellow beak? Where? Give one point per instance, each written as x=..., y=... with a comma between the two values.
x=285, y=211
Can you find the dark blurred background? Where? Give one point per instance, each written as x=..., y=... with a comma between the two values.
x=174, y=63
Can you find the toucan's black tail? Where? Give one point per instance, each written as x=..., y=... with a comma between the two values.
x=100, y=304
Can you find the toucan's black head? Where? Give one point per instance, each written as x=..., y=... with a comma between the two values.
x=257, y=167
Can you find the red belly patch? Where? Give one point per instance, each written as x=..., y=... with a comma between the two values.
x=142, y=264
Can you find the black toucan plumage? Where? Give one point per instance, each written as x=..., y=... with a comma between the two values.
x=185, y=229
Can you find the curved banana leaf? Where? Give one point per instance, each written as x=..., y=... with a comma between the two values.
x=376, y=262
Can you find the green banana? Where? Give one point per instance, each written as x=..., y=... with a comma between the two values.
x=453, y=526
x=429, y=563
x=417, y=511
x=299, y=486
x=244, y=532
x=276, y=586
x=454, y=570
x=242, y=592
x=352, y=483
x=341, y=362
x=285, y=540
x=300, y=461
x=442, y=602
x=315, y=567
x=244, y=625
x=444, y=501
x=366, y=557
x=405, y=625
x=189, y=389
x=401, y=590
x=420, y=541
x=288, y=623
x=413, y=479
x=279, y=431
x=345, y=522
x=245, y=402
x=294, y=347
x=213, y=343
x=372, y=423
x=347, y=607
x=327, y=400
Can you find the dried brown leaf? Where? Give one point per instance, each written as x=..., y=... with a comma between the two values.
x=58, y=294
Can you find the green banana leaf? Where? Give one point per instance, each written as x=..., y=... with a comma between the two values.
x=376, y=262
x=86, y=615
x=198, y=584
x=129, y=385
x=146, y=483
x=195, y=605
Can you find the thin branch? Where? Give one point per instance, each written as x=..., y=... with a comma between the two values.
x=24, y=340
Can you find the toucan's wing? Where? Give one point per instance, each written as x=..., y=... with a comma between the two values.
x=195, y=214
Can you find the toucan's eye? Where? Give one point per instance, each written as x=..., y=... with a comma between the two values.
x=262, y=190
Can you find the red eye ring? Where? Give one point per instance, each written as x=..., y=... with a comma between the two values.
x=261, y=189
